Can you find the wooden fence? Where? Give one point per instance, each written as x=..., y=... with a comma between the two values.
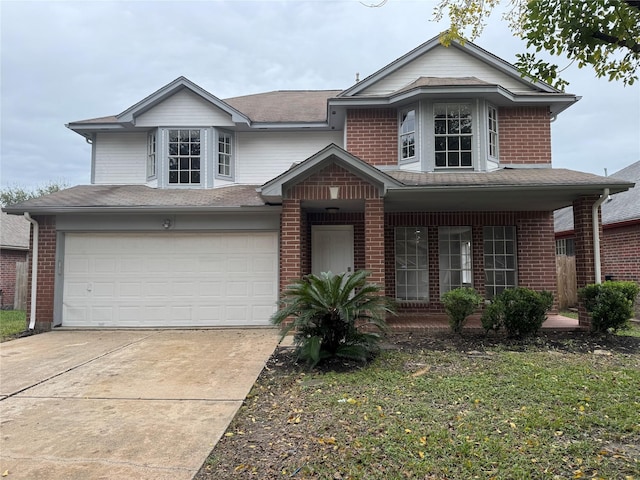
x=20, y=296
x=567, y=283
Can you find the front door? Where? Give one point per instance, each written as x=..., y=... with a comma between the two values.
x=331, y=249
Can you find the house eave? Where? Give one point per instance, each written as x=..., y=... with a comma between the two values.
x=53, y=210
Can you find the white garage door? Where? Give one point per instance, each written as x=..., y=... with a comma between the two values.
x=169, y=279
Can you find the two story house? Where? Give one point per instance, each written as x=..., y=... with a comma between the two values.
x=432, y=173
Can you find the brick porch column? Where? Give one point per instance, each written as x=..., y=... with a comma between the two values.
x=290, y=242
x=582, y=225
x=46, y=273
x=374, y=240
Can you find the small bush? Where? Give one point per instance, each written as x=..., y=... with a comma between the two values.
x=610, y=304
x=521, y=311
x=459, y=304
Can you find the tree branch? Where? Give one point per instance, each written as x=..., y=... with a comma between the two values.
x=634, y=47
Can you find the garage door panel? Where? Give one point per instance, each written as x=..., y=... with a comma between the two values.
x=170, y=279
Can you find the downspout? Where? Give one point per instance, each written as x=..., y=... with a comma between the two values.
x=34, y=270
x=596, y=235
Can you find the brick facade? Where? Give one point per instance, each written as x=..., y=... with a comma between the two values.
x=524, y=135
x=621, y=252
x=535, y=254
x=46, y=272
x=372, y=135
x=8, y=260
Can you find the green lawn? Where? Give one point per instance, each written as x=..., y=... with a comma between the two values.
x=533, y=413
x=12, y=322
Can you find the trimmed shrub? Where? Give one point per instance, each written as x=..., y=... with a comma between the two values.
x=521, y=311
x=459, y=304
x=610, y=304
x=333, y=316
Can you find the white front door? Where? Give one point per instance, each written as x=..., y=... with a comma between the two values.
x=331, y=249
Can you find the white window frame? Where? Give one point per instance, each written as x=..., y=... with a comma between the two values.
x=449, y=137
x=202, y=155
x=565, y=246
x=411, y=256
x=224, y=151
x=455, y=256
x=493, y=133
x=152, y=155
x=404, y=131
x=500, y=251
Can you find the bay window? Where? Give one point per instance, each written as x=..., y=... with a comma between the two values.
x=184, y=156
x=152, y=159
x=453, y=134
x=407, y=135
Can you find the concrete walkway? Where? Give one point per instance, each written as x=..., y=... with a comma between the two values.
x=122, y=404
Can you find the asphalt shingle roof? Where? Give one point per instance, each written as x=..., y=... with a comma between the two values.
x=140, y=197
x=143, y=197
x=621, y=207
x=14, y=232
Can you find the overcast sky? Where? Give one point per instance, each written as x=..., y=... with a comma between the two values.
x=68, y=61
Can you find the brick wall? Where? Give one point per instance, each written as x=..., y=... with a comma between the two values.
x=372, y=135
x=316, y=186
x=584, y=247
x=536, y=249
x=621, y=252
x=524, y=135
x=46, y=272
x=8, y=260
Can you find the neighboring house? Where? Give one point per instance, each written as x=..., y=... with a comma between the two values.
x=620, y=241
x=432, y=173
x=14, y=251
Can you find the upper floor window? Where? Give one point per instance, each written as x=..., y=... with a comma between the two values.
x=223, y=168
x=453, y=135
x=152, y=159
x=407, y=135
x=184, y=156
x=492, y=127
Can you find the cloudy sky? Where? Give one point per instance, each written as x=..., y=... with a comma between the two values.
x=73, y=60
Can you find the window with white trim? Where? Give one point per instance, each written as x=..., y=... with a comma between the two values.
x=184, y=160
x=407, y=135
x=453, y=135
x=492, y=128
x=224, y=165
x=412, y=273
x=456, y=265
x=500, y=266
x=565, y=246
x=152, y=158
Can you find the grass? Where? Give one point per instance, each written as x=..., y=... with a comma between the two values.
x=12, y=322
x=499, y=414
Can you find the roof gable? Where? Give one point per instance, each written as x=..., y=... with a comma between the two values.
x=272, y=190
x=432, y=59
x=168, y=91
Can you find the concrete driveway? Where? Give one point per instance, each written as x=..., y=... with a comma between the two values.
x=122, y=404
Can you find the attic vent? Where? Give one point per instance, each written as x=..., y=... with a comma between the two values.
x=357, y=77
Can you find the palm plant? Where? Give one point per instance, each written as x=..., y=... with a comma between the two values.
x=333, y=316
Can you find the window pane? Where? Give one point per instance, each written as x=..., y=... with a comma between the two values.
x=173, y=163
x=411, y=261
x=195, y=177
x=454, y=159
x=440, y=127
x=173, y=177
x=441, y=159
x=173, y=149
x=184, y=177
x=453, y=126
x=453, y=143
x=465, y=143
x=195, y=163
x=441, y=144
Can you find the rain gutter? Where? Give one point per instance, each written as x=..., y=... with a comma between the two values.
x=596, y=235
